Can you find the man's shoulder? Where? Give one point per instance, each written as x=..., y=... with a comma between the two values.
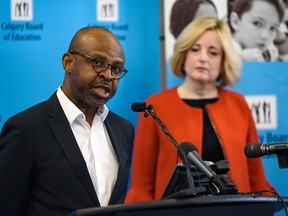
x=34, y=112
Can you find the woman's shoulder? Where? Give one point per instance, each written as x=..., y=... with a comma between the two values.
x=163, y=95
x=231, y=95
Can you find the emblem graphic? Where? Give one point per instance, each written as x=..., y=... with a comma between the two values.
x=21, y=10
x=264, y=110
x=107, y=10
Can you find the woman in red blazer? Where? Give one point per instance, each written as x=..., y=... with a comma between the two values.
x=216, y=120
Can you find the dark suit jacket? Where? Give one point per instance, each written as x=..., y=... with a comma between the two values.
x=42, y=170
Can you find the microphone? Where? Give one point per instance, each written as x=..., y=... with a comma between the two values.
x=218, y=184
x=254, y=150
x=194, y=158
x=138, y=107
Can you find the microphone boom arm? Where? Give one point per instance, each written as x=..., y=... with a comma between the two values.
x=150, y=111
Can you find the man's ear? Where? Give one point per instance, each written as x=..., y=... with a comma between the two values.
x=234, y=21
x=67, y=62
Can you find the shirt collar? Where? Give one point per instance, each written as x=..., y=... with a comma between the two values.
x=72, y=112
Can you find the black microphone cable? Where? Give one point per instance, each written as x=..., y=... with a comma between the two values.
x=257, y=193
x=279, y=198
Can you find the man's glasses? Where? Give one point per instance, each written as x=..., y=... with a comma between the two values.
x=100, y=65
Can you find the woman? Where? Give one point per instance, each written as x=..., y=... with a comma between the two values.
x=182, y=13
x=217, y=121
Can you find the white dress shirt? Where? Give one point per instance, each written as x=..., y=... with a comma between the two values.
x=95, y=146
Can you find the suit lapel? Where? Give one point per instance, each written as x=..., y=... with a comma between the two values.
x=65, y=137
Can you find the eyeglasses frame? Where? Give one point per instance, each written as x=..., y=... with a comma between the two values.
x=92, y=60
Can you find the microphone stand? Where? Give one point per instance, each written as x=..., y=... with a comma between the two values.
x=149, y=111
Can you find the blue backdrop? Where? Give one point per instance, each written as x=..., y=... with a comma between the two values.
x=31, y=68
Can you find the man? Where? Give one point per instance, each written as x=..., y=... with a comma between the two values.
x=70, y=152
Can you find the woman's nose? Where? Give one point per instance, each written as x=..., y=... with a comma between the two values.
x=203, y=56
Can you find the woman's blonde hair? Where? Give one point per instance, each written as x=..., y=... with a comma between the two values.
x=231, y=63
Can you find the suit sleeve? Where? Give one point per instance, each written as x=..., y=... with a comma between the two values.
x=16, y=159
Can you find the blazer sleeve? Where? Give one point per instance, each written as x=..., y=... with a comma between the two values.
x=16, y=161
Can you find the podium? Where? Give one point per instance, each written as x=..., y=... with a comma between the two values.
x=223, y=205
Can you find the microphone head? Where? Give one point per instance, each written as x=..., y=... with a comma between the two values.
x=253, y=150
x=138, y=107
x=188, y=147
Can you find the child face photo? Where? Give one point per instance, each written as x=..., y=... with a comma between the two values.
x=257, y=27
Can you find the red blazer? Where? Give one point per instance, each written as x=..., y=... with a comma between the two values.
x=155, y=156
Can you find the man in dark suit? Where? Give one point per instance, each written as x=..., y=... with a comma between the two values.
x=70, y=152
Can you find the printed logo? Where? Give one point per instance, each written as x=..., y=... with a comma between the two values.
x=264, y=110
x=21, y=10
x=107, y=10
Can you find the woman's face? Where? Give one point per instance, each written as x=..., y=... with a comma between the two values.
x=256, y=28
x=203, y=61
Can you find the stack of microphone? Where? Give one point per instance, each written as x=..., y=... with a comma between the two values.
x=218, y=183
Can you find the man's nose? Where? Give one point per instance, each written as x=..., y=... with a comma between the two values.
x=107, y=74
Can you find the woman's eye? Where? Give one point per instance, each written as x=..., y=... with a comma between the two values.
x=214, y=53
x=194, y=49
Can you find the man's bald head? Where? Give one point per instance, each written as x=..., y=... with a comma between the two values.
x=76, y=41
x=85, y=87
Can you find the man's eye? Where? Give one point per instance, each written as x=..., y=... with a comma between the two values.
x=117, y=69
x=98, y=62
